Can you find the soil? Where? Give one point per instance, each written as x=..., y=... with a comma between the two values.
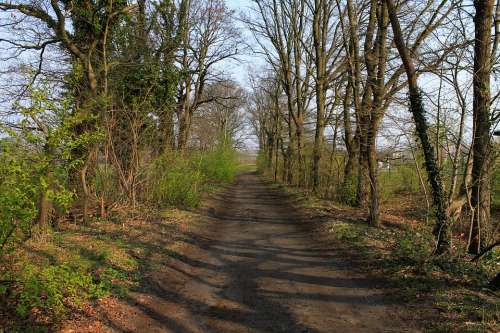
x=253, y=264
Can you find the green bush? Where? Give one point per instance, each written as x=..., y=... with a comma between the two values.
x=219, y=165
x=175, y=181
x=17, y=200
x=348, y=190
x=36, y=162
x=400, y=179
x=347, y=231
x=178, y=180
x=105, y=181
x=414, y=248
x=51, y=287
x=262, y=162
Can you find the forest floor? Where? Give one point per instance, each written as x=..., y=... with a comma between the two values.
x=250, y=260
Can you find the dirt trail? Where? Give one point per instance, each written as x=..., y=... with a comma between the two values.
x=254, y=268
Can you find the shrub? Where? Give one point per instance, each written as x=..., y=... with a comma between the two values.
x=261, y=162
x=219, y=165
x=105, y=182
x=346, y=231
x=175, y=182
x=407, y=179
x=178, y=180
x=17, y=200
x=414, y=248
x=35, y=163
x=400, y=179
x=50, y=287
x=347, y=191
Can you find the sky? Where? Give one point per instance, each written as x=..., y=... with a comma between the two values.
x=237, y=4
x=239, y=71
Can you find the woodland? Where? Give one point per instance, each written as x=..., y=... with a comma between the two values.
x=118, y=111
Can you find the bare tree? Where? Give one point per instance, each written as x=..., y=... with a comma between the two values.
x=441, y=229
x=327, y=51
x=221, y=120
x=281, y=31
x=210, y=38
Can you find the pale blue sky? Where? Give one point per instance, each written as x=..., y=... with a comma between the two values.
x=239, y=71
x=237, y=4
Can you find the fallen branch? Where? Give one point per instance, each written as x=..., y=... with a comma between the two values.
x=486, y=250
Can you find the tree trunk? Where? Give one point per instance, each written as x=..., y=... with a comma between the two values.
x=319, y=134
x=44, y=207
x=481, y=174
x=354, y=82
x=320, y=34
x=374, y=216
x=362, y=184
x=352, y=151
x=270, y=150
x=184, y=124
x=300, y=156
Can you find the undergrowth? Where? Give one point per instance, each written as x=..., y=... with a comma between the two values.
x=51, y=277
x=178, y=179
x=451, y=284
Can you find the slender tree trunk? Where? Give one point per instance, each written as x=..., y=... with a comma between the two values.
x=367, y=107
x=270, y=150
x=374, y=216
x=44, y=202
x=276, y=159
x=362, y=183
x=318, y=135
x=320, y=33
x=299, y=151
x=44, y=206
x=481, y=174
x=352, y=142
x=333, y=155
x=290, y=151
x=352, y=151
x=167, y=137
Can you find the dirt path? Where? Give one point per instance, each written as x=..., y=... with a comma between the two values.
x=254, y=268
